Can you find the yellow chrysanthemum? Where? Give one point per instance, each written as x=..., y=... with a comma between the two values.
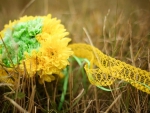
x=42, y=46
x=50, y=59
x=29, y=64
x=4, y=76
x=53, y=27
x=56, y=50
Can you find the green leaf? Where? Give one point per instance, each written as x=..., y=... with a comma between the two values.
x=20, y=95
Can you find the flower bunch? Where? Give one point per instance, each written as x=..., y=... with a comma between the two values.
x=36, y=44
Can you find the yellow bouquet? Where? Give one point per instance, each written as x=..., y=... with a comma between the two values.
x=39, y=46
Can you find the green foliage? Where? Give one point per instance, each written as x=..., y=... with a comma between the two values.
x=65, y=87
x=19, y=95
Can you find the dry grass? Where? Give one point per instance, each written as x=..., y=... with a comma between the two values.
x=119, y=28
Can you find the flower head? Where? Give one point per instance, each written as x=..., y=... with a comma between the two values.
x=36, y=44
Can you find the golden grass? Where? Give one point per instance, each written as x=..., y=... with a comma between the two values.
x=120, y=29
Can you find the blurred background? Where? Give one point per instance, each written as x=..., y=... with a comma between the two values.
x=112, y=25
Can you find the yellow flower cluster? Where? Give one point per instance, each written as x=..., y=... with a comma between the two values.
x=39, y=46
x=50, y=59
x=51, y=53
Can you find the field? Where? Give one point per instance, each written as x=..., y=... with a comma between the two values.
x=119, y=28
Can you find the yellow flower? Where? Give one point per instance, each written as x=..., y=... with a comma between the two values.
x=53, y=55
x=4, y=75
x=53, y=27
x=50, y=59
x=42, y=46
x=30, y=63
x=47, y=78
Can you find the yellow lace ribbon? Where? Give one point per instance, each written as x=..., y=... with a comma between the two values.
x=104, y=70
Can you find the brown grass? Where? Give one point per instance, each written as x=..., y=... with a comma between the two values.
x=119, y=28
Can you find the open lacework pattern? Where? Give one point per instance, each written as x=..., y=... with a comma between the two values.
x=104, y=70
